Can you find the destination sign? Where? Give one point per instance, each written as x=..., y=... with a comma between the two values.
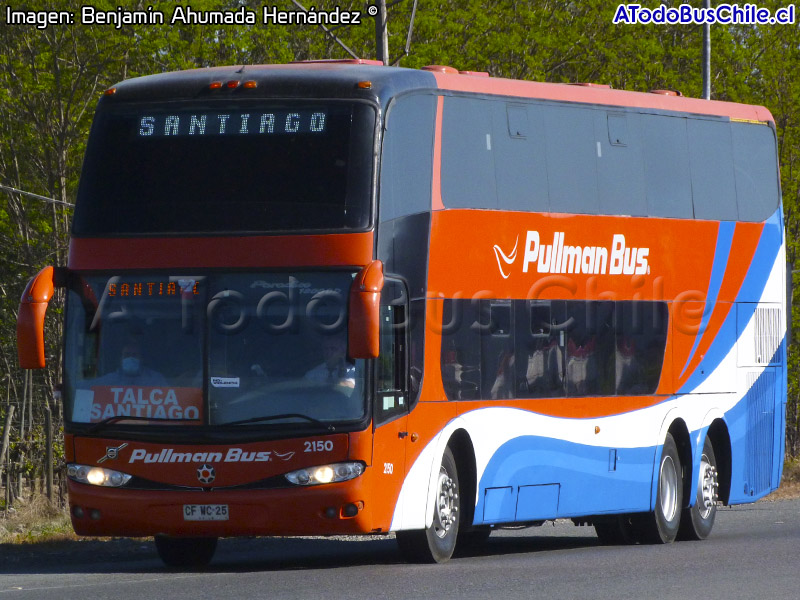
x=231, y=123
x=158, y=403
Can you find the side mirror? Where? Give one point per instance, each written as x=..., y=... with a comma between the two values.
x=364, y=322
x=30, y=319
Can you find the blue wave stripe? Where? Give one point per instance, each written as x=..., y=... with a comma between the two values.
x=566, y=479
x=751, y=290
x=721, y=257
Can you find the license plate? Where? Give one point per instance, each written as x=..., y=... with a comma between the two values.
x=205, y=512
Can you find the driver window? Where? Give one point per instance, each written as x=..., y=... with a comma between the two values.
x=391, y=364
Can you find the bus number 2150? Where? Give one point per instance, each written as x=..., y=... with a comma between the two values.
x=319, y=446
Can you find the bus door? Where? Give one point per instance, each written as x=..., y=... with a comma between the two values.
x=391, y=392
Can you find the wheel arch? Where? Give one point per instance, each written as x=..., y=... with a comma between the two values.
x=680, y=433
x=460, y=444
x=721, y=441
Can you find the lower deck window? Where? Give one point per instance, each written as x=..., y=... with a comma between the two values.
x=544, y=349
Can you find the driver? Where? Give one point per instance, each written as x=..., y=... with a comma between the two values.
x=335, y=368
x=131, y=371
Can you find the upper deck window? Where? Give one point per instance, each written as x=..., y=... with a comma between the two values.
x=538, y=156
x=188, y=168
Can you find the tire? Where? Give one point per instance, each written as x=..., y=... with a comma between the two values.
x=698, y=520
x=437, y=542
x=661, y=526
x=185, y=553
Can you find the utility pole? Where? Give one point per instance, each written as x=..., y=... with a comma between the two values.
x=707, y=55
x=381, y=34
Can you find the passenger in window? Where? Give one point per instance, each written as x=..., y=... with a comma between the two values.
x=582, y=367
x=460, y=375
x=628, y=370
x=543, y=373
x=131, y=370
x=503, y=386
x=335, y=369
x=451, y=371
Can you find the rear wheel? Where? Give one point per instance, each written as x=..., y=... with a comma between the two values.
x=185, y=552
x=437, y=542
x=697, y=521
x=661, y=526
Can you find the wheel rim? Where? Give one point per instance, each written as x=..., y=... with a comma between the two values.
x=446, y=504
x=706, y=488
x=668, y=488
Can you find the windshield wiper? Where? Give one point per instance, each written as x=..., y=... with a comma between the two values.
x=264, y=419
x=101, y=424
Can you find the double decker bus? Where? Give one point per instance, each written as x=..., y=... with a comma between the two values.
x=341, y=298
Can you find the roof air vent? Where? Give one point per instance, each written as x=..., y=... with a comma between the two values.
x=441, y=69
x=667, y=92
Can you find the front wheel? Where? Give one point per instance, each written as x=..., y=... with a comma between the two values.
x=698, y=520
x=661, y=526
x=437, y=542
x=185, y=553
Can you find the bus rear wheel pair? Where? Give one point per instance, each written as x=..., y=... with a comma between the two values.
x=669, y=521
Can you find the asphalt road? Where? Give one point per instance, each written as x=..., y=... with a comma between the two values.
x=753, y=552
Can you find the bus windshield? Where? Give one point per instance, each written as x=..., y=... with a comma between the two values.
x=211, y=350
x=225, y=167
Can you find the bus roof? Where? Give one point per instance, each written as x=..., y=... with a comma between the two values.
x=340, y=78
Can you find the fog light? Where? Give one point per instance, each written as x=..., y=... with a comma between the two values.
x=94, y=515
x=350, y=510
x=330, y=512
x=77, y=511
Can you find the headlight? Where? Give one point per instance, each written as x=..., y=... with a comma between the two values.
x=97, y=476
x=326, y=473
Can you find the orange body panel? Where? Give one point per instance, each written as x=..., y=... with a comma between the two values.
x=670, y=251
x=389, y=469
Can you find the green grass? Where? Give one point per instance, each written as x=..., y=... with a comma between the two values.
x=33, y=521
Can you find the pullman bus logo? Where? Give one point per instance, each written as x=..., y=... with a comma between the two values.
x=618, y=258
x=206, y=474
x=502, y=258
